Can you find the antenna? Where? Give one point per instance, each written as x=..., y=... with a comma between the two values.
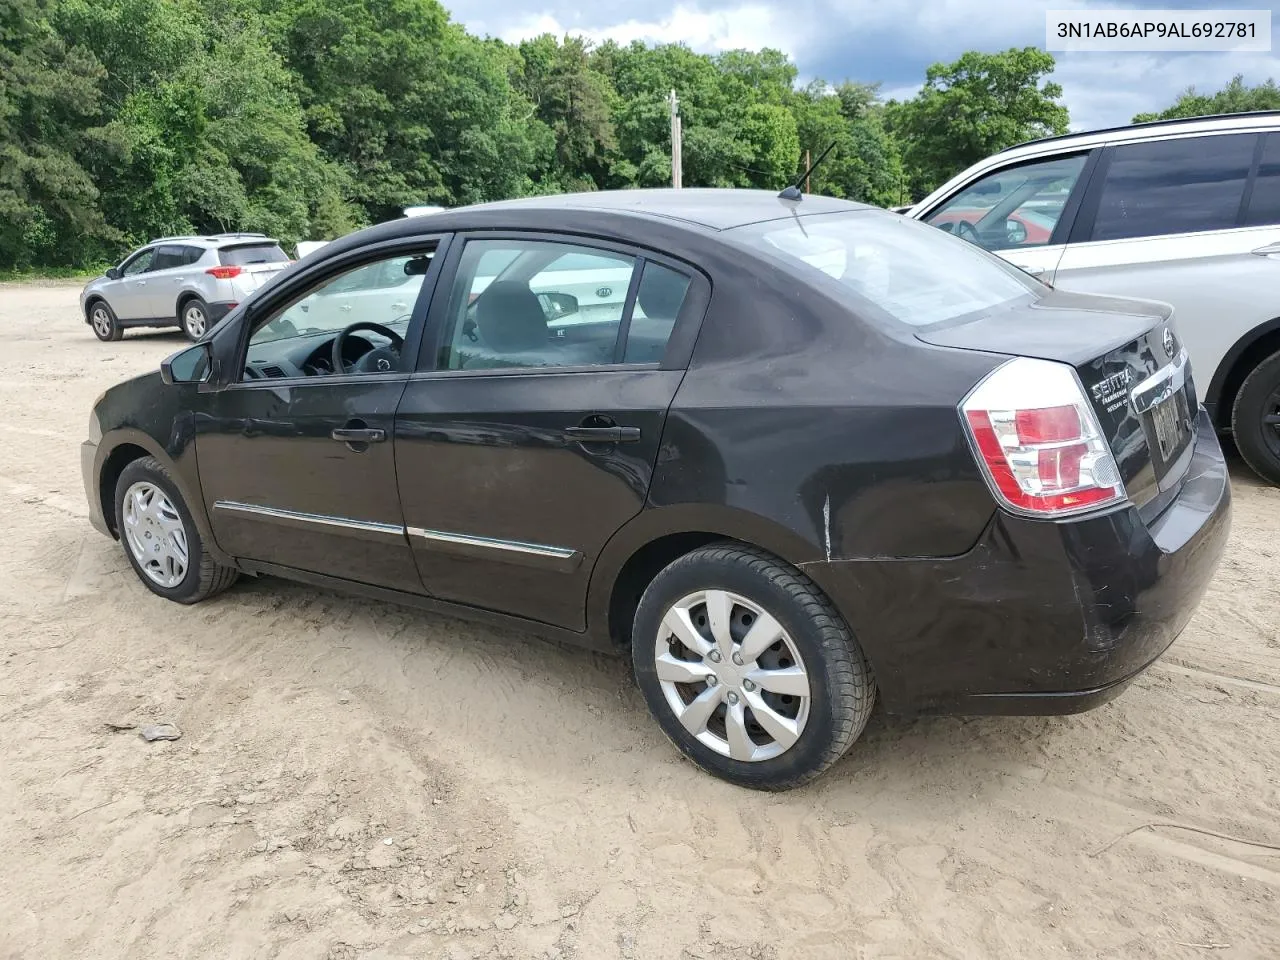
x=793, y=192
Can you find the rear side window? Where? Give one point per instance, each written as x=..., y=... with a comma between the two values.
x=191, y=255
x=1264, y=204
x=242, y=256
x=913, y=272
x=167, y=258
x=1174, y=186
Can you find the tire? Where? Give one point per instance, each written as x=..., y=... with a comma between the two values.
x=102, y=320
x=145, y=530
x=812, y=637
x=1257, y=400
x=193, y=317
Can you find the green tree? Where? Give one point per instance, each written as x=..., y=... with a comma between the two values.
x=974, y=107
x=1235, y=97
x=50, y=126
x=865, y=164
x=575, y=101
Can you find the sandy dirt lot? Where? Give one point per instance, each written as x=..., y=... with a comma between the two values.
x=358, y=780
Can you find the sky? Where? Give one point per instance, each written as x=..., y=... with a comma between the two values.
x=892, y=41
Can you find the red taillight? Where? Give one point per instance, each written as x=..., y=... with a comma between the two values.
x=224, y=273
x=1039, y=440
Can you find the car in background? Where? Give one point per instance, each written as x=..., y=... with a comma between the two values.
x=806, y=454
x=189, y=282
x=1186, y=212
x=306, y=247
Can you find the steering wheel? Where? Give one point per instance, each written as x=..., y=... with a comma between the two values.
x=377, y=360
x=967, y=231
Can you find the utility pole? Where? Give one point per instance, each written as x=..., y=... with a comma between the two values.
x=806, y=171
x=677, y=146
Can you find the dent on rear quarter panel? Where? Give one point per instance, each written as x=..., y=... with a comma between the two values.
x=842, y=432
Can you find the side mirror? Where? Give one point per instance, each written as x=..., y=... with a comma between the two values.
x=1015, y=232
x=192, y=365
x=113, y=273
x=557, y=305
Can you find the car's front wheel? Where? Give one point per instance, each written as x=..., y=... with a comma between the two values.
x=195, y=319
x=160, y=538
x=103, y=320
x=748, y=668
x=1255, y=419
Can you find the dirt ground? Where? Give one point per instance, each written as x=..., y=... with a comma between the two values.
x=358, y=780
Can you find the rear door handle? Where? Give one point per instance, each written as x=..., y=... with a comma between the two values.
x=1270, y=250
x=345, y=308
x=603, y=434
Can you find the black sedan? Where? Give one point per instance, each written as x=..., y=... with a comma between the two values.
x=790, y=455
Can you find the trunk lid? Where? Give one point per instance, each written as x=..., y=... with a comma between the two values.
x=1131, y=363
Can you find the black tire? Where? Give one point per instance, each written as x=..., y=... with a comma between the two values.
x=1257, y=400
x=103, y=322
x=193, y=317
x=204, y=577
x=842, y=691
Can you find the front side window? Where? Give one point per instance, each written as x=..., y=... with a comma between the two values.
x=1013, y=208
x=910, y=271
x=536, y=303
x=1185, y=185
x=376, y=299
x=140, y=263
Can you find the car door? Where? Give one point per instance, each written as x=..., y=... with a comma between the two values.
x=129, y=296
x=522, y=446
x=164, y=276
x=296, y=458
x=1021, y=211
x=1175, y=220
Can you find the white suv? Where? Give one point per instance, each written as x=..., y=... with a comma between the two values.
x=189, y=282
x=1186, y=212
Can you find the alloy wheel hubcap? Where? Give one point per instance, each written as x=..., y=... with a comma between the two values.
x=195, y=321
x=732, y=675
x=101, y=322
x=155, y=534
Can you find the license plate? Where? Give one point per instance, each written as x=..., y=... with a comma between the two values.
x=1168, y=425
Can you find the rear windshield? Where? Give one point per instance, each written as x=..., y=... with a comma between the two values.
x=915, y=273
x=252, y=253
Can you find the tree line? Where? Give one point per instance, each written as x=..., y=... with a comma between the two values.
x=121, y=120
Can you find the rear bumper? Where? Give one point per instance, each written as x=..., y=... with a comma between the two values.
x=1039, y=617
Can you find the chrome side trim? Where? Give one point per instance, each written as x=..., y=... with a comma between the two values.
x=365, y=529
x=564, y=559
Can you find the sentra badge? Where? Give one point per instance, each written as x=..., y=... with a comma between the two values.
x=1112, y=388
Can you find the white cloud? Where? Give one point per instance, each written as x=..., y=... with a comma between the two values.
x=889, y=40
x=751, y=26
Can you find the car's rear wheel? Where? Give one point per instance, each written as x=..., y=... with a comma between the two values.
x=161, y=540
x=104, y=323
x=748, y=668
x=1255, y=419
x=194, y=318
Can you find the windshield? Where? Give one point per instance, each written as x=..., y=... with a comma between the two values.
x=915, y=273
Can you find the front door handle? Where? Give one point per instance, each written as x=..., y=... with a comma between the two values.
x=345, y=308
x=398, y=306
x=603, y=434
x=359, y=434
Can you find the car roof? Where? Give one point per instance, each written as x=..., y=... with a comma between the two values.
x=1253, y=120
x=215, y=239
x=712, y=208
